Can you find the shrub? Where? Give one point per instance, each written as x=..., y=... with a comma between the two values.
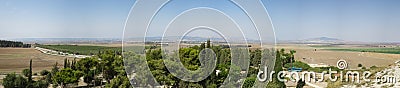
x=249, y=82
x=14, y=81
x=359, y=65
x=44, y=72
x=40, y=84
x=298, y=64
x=26, y=72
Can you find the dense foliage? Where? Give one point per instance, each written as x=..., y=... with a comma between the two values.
x=5, y=43
x=80, y=49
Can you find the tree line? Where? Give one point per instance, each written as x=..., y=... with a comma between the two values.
x=189, y=57
x=6, y=43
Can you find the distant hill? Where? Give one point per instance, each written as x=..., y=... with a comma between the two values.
x=186, y=38
x=324, y=39
x=318, y=40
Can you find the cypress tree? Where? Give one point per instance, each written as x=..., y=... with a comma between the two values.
x=30, y=72
x=65, y=63
x=208, y=43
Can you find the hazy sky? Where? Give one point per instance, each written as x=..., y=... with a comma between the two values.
x=357, y=20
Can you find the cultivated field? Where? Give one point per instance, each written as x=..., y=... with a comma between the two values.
x=17, y=59
x=79, y=49
x=330, y=57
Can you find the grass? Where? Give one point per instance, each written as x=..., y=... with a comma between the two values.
x=80, y=49
x=395, y=50
x=376, y=50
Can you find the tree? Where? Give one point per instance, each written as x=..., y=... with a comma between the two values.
x=54, y=70
x=208, y=43
x=301, y=83
x=25, y=72
x=275, y=83
x=44, y=72
x=292, y=52
x=65, y=63
x=119, y=82
x=202, y=46
x=30, y=72
x=66, y=76
x=5, y=43
x=88, y=67
x=359, y=65
x=40, y=84
x=14, y=81
x=73, y=67
x=249, y=82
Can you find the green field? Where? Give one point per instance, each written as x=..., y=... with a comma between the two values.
x=376, y=50
x=80, y=49
x=395, y=50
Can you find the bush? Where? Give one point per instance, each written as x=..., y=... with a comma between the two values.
x=26, y=72
x=363, y=68
x=249, y=82
x=44, y=72
x=40, y=84
x=301, y=83
x=373, y=67
x=298, y=64
x=14, y=81
x=359, y=65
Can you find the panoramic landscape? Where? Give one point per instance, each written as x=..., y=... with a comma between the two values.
x=199, y=44
x=314, y=54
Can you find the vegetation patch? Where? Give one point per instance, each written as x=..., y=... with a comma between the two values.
x=376, y=50
x=80, y=49
x=392, y=50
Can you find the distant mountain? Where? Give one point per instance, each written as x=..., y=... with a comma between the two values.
x=318, y=40
x=323, y=39
x=69, y=40
x=185, y=38
x=119, y=40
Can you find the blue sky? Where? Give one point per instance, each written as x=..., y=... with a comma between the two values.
x=356, y=20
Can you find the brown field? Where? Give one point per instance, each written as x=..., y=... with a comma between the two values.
x=17, y=59
x=307, y=54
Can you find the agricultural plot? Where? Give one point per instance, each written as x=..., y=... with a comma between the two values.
x=80, y=49
x=17, y=59
x=392, y=50
x=354, y=55
x=376, y=50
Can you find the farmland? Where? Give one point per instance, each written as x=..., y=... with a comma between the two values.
x=80, y=49
x=353, y=54
x=17, y=59
x=392, y=50
x=376, y=50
